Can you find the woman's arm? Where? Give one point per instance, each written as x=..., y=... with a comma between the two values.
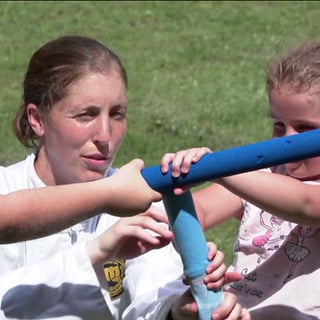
x=32, y=213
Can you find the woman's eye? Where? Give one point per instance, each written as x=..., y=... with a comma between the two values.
x=118, y=114
x=84, y=116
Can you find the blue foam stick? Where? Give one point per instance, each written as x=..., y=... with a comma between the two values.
x=188, y=233
x=245, y=158
x=191, y=245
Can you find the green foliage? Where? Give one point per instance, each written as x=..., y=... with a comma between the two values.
x=196, y=68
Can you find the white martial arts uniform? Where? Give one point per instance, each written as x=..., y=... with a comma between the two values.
x=52, y=277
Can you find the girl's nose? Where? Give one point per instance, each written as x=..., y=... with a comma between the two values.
x=290, y=132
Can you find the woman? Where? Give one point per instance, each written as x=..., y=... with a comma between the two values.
x=74, y=114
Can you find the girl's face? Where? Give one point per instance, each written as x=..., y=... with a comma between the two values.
x=81, y=134
x=293, y=113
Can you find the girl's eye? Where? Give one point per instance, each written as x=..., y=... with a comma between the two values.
x=279, y=129
x=305, y=127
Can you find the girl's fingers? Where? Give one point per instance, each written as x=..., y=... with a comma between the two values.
x=182, y=160
x=216, y=261
x=212, y=250
x=229, y=309
x=200, y=152
x=215, y=279
x=232, y=277
x=164, y=163
x=216, y=269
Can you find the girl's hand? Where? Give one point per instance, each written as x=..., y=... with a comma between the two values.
x=185, y=308
x=182, y=160
x=230, y=309
x=181, y=163
x=216, y=275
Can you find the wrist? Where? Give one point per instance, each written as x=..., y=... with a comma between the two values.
x=96, y=256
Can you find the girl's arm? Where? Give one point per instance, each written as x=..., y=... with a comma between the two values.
x=32, y=213
x=215, y=204
x=283, y=196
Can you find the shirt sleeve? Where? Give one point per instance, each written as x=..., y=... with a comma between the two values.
x=153, y=282
x=64, y=285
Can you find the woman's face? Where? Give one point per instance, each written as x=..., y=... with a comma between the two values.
x=81, y=134
x=293, y=113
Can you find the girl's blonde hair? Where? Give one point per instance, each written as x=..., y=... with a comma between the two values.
x=296, y=71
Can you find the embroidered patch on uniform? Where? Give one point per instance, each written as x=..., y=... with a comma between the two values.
x=114, y=273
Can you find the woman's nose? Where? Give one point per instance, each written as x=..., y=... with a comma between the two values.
x=103, y=134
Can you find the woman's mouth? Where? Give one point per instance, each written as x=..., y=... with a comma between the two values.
x=97, y=161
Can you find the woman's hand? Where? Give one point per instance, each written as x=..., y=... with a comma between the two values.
x=131, y=237
x=129, y=193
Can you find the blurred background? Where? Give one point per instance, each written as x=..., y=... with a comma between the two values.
x=196, y=68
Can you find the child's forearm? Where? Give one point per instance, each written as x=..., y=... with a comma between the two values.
x=280, y=195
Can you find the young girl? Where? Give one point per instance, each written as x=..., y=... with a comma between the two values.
x=277, y=246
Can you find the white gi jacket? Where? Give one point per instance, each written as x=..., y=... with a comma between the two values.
x=52, y=277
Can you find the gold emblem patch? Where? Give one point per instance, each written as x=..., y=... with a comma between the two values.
x=114, y=273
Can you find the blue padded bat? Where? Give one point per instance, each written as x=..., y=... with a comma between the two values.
x=192, y=247
x=189, y=237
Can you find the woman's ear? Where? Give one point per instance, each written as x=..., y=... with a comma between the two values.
x=35, y=119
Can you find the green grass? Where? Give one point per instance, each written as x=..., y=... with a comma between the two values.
x=196, y=68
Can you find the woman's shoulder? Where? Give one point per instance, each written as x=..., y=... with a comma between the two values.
x=15, y=176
